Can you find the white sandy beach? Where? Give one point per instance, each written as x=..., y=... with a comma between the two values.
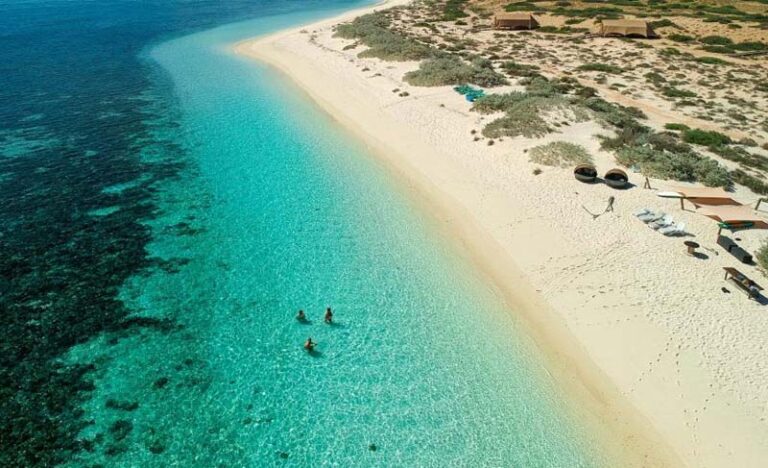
x=643, y=332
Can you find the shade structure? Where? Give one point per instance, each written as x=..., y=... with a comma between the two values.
x=585, y=173
x=626, y=28
x=734, y=215
x=708, y=196
x=616, y=178
x=514, y=20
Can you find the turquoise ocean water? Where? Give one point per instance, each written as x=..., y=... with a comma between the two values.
x=276, y=208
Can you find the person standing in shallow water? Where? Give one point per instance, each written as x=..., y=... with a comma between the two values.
x=328, y=315
x=301, y=317
x=309, y=345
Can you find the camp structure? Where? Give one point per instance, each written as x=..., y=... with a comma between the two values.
x=616, y=178
x=700, y=196
x=585, y=173
x=514, y=20
x=734, y=217
x=626, y=28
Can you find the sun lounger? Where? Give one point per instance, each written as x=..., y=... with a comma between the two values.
x=664, y=222
x=744, y=284
x=674, y=230
x=650, y=217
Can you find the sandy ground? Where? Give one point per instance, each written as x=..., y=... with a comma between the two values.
x=670, y=363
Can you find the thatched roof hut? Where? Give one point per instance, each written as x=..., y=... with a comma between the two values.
x=514, y=20
x=626, y=28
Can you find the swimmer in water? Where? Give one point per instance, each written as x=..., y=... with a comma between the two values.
x=328, y=315
x=301, y=317
x=309, y=345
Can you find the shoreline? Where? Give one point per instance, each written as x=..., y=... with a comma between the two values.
x=470, y=217
x=569, y=365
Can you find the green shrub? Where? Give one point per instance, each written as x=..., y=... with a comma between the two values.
x=601, y=67
x=614, y=114
x=518, y=69
x=716, y=40
x=594, y=12
x=741, y=156
x=453, y=71
x=751, y=46
x=685, y=166
x=491, y=103
x=559, y=153
x=671, y=91
x=762, y=256
x=718, y=49
x=750, y=181
x=663, y=23
x=454, y=9
x=523, y=6
x=676, y=126
x=711, y=60
x=705, y=138
x=372, y=30
x=681, y=38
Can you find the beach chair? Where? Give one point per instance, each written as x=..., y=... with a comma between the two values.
x=652, y=216
x=674, y=230
x=665, y=222
x=642, y=212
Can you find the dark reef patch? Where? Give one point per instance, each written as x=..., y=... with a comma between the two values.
x=122, y=405
x=120, y=429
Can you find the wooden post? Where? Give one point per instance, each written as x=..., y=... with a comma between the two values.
x=682, y=207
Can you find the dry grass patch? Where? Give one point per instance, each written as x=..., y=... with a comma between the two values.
x=560, y=154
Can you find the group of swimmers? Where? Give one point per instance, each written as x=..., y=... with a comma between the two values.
x=309, y=345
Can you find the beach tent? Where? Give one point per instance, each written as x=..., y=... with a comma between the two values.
x=514, y=20
x=704, y=196
x=626, y=28
x=733, y=217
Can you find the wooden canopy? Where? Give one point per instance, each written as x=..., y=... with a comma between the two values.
x=737, y=215
x=626, y=28
x=708, y=196
x=514, y=20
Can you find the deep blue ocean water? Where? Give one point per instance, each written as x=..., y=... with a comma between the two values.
x=168, y=206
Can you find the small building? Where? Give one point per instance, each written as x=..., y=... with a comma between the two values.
x=626, y=28
x=514, y=20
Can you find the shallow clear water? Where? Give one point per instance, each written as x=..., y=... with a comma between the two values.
x=239, y=202
x=284, y=211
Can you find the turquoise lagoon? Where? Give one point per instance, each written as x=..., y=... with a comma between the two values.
x=280, y=209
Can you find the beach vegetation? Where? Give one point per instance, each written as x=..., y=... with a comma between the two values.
x=452, y=70
x=524, y=6
x=373, y=31
x=716, y=40
x=705, y=137
x=686, y=166
x=673, y=92
x=676, y=126
x=527, y=113
x=601, y=67
x=762, y=257
x=710, y=60
x=454, y=10
x=751, y=182
x=559, y=154
x=684, y=38
x=663, y=23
